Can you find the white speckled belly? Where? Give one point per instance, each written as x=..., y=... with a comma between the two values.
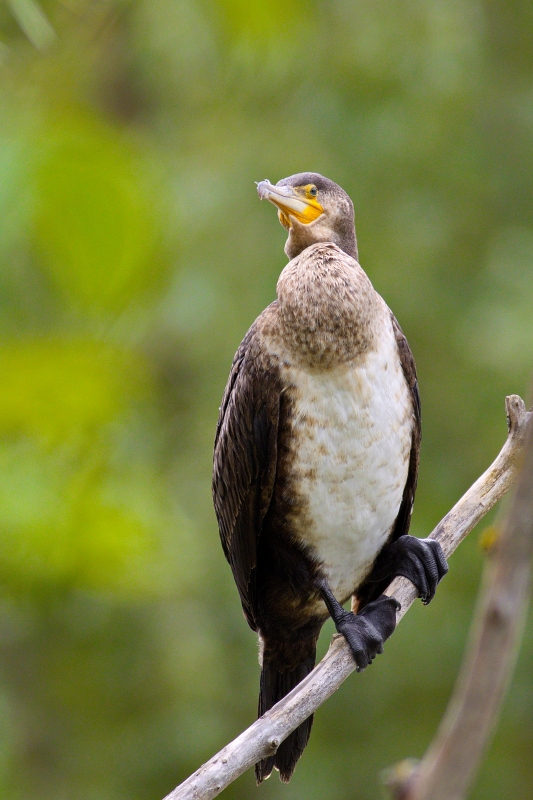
x=352, y=442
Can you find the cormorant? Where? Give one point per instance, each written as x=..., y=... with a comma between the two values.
x=316, y=455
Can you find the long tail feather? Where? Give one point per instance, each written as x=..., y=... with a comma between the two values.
x=275, y=685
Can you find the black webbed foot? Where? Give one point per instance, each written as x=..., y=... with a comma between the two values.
x=367, y=631
x=420, y=560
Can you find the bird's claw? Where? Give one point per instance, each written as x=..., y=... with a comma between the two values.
x=419, y=560
x=367, y=631
x=423, y=563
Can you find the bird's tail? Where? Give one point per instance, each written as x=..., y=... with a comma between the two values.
x=275, y=684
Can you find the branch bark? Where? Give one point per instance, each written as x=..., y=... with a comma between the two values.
x=266, y=734
x=450, y=764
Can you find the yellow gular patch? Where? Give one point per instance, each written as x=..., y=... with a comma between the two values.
x=304, y=211
x=311, y=212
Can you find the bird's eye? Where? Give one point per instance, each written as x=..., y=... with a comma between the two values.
x=313, y=191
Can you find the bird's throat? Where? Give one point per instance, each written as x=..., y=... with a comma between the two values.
x=303, y=236
x=328, y=307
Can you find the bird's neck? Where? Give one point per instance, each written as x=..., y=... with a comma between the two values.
x=303, y=236
x=328, y=308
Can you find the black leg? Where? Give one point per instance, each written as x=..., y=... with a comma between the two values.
x=420, y=560
x=365, y=632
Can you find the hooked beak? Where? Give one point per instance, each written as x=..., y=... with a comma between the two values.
x=289, y=203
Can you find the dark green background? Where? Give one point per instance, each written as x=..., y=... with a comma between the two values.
x=135, y=254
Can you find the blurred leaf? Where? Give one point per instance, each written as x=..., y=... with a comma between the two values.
x=61, y=525
x=62, y=391
x=263, y=20
x=14, y=200
x=57, y=533
x=95, y=225
x=34, y=22
x=499, y=327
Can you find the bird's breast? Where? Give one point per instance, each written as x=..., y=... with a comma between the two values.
x=349, y=445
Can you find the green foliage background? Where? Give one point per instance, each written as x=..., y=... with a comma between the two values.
x=134, y=256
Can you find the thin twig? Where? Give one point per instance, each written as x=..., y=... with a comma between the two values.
x=264, y=737
x=450, y=764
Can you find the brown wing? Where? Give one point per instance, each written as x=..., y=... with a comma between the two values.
x=403, y=520
x=245, y=457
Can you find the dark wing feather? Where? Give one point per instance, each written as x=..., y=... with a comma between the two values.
x=245, y=457
x=403, y=520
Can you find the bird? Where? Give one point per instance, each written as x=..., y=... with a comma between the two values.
x=316, y=456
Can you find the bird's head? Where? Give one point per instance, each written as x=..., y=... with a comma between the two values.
x=313, y=209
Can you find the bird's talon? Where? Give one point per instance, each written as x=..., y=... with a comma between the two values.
x=419, y=560
x=367, y=632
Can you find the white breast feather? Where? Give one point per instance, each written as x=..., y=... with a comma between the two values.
x=352, y=441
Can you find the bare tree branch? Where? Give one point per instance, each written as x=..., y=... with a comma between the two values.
x=264, y=737
x=451, y=762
